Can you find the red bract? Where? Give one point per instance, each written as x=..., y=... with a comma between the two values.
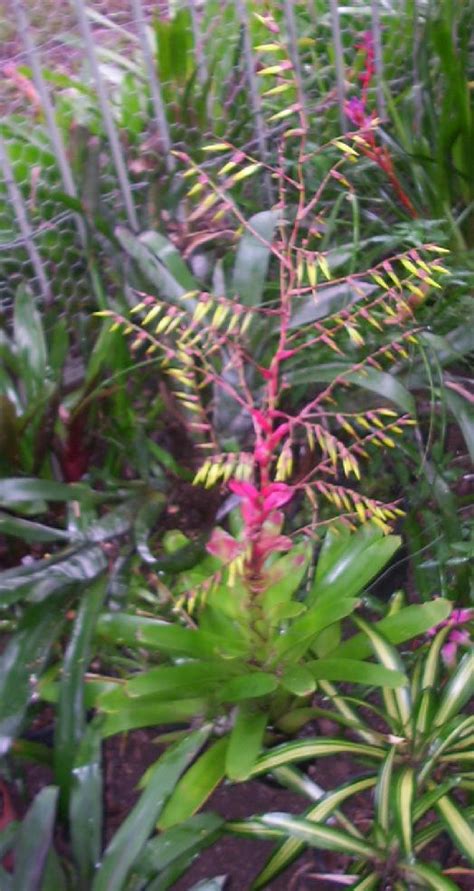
x=455, y=637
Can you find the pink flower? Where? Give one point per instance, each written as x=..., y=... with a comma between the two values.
x=455, y=637
x=223, y=546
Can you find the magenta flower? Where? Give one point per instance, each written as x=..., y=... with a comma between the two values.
x=455, y=638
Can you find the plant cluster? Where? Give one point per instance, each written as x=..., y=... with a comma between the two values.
x=309, y=395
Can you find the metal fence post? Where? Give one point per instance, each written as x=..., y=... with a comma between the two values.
x=24, y=28
x=289, y=13
x=23, y=221
x=155, y=86
x=112, y=135
x=198, y=42
x=339, y=62
x=378, y=57
x=254, y=90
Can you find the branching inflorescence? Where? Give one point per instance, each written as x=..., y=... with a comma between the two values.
x=255, y=353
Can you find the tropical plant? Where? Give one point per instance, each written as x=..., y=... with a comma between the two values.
x=417, y=768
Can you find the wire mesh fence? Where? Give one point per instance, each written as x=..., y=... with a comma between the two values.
x=95, y=96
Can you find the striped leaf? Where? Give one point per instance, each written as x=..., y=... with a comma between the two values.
x=372, y=880
x=318, y=836
x=429, y=876
x=403, y=797
x=458, y=827
x=292, y=847
x=382, y=792
x=389, y=657
x=304, y=750
x=458, y=691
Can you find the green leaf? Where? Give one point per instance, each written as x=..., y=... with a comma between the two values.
x=180, y=681
x=463, y=412
x=33, y=842
x=403, y=798
x=305, y=750
x=457, y=826
x=349, y=568
x=71, y=712
x=252, y=258
x=290, y=849
x=380, y=382
x=370, y=881
x=298, y=679
x=128, y=842
x=189, y=838
x=356, y=672
x=85, y=806
x=429, y=876
x=291, y=645
x=248, y=686
x=154, y=258
x=16, y=490
x=29, y=531
x=245, y=741
x=30, y=343
x=196, y=785
x=43, y=579
x=382, y=792
x=390, y=659
x=319, y=836
x=458, y=691
x=155, y=634
x=22, y=662
x=147, y=712
x=406, y=624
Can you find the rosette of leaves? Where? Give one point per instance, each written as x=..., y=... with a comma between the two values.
x=419, y=781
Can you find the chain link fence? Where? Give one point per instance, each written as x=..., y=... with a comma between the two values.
x=94, y=97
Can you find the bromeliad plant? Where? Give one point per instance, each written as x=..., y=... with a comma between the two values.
x=261, y=631
x=417, y=759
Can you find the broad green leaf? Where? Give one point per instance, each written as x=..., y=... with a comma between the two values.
x=196, y=785
x=189, y=837
x=155, y=260
x=155, y=634
x=85, y=805
x=406, y=624
x=55, y=574
x=463, y=412
x=356, y=672
x=319, y=836
x=307, y=749
x=299, y=680
x=293, y=644
x=29, y=531
x=71, y=711
x=248, y=686
x=33, y=841
x=354, y=566
x=147, y=712
x=30, y=343
x=22, y=662
x=457, y=826
x=17, y=490
x=245, y=741
x=181, y=681
x=253, y=256
x=380, y=382
x=128, y=842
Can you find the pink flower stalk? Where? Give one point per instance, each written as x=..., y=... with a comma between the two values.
x=456, y=638
x=262, y=528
